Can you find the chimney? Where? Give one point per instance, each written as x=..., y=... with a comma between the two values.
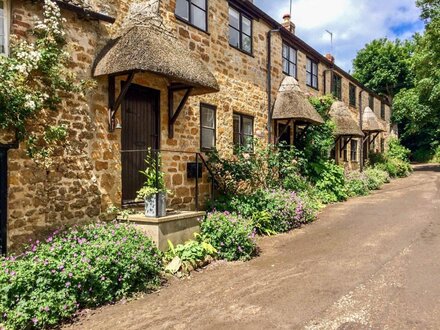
x=330, y=57
x=288, y=24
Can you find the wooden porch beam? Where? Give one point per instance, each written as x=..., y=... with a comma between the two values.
x=173, y=115
x=114, y=105
x=284, y=130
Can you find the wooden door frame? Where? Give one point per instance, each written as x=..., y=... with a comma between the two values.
x=4, y=203
x=148, y=90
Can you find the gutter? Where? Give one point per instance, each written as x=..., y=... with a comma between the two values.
x=269, y=83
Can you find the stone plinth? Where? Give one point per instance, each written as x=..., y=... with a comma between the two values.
x=177, y=228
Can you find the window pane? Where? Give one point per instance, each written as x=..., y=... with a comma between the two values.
x=286, y=66
x=234, y=37
x=234, y=18
x=237, y=141
x=315, y=81
x=292, y=55
x=285, y=51
x=247, y=43
x=198, y=17
x=315, y=68
x=248, y=126
x=2, y=26
x=309, y=79
x=208, y=138
x=248, y=142
x=208, y=118
x=200, y=3
x=292, y=70
x=182, y=9
x=246, y=25
x=309, y=65
x=237, y=124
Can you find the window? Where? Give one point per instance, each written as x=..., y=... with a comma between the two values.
x=193, y=12
x=337, y=86
x=4, y=26
x=207, y=127
x=382, y=110
x=352, y=95
x=240, y=31
x=312, y=73
x=371, y=102
x=354, y=150
x=289, y=60
x=343, y=143
x=243, y=131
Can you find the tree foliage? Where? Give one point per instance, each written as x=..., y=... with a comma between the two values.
x=385, y=66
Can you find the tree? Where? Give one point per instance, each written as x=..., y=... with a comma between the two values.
x=385, y=66
x=418, y=108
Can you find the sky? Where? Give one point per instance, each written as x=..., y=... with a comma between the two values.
x=353, y=23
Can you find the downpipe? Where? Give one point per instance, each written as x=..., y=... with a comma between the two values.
x=269, y=83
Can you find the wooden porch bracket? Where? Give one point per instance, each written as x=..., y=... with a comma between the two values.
x=113, y=105
x=283, y=131
x=345, y=146
x=374, y=139
x=173, y=115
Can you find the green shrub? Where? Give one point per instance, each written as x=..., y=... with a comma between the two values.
x=81, y=267
x=330, y=182
x=192, y=252
x=436, y=158
x=231, y=235
x=285, y=209
x=396, y=168
x=376, y=178
x=357, y=184
x=397, y=151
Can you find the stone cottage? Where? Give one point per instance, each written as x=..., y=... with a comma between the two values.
x=179, y=76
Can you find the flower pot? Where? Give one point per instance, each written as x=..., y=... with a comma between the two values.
x=153, y=210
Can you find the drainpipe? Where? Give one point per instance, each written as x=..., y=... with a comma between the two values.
x=361, y=158
x=269, y=83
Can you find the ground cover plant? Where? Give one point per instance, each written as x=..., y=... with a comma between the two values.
x=395, y=161
x=78, y=268
x=230, y=234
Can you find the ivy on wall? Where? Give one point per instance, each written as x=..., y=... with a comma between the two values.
x=34, y=77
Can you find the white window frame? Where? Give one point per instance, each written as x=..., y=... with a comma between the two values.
x=7, y=25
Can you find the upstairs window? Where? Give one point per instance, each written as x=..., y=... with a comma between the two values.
x=371, y=102
x=240, y=31
x=289, y=60
x=382, y=111
x=337, y=86
x=207, y=127
x=4, y=26
x=243, y=132
x=352, y=95
x=354, y=150
x=312, y=73
x=193, y=12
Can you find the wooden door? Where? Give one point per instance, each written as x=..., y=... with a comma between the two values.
x=3, y=199
x=140, y=132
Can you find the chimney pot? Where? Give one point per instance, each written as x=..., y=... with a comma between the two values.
x=330, y=57
x=288, y=24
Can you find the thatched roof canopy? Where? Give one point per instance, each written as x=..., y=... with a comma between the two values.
x=291, y=103
x=147, y=49
x=370, y=122
x=346, y=125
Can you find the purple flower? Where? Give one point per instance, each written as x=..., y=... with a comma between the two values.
x=68, y=284
x=34, y=320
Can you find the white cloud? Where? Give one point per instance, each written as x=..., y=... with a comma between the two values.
x=353, y=22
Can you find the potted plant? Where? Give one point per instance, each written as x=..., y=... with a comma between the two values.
x=153, y=193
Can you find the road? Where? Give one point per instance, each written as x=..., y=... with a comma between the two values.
x=370, y=263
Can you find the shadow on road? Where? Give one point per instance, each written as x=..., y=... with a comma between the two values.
x=427, y=168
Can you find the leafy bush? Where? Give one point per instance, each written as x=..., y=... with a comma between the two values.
x=396, y=168
x=231, y=235
x=357, y=184
x=397, y=151
x=376, y=178
x=192, y=254
x=81, y=267
x=330, y=182
x=272, y=211
x=395, y=161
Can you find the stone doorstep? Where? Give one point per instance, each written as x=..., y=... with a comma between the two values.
x=177, y=228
